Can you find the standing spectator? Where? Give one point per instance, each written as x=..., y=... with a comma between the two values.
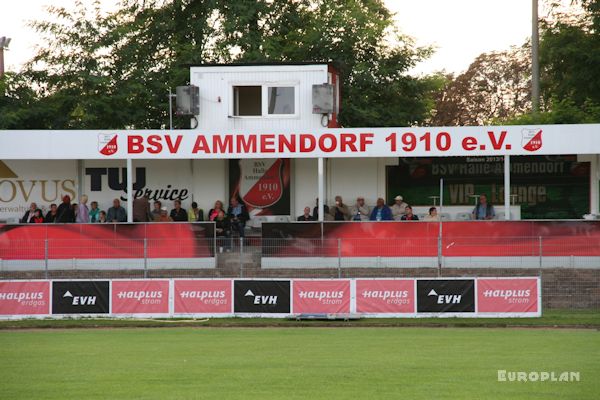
x=381, y=212
x=238, y=215
x=116, y=213
x=156, y=211
x=432, y=215
x=75, y=209
x=65, y=212
x=94, y=212
x=51, y=215
x=37, y=217
x=483, y=210
x=83, y=212
x=178, y=214
x=214, y=212
x=141, y=209
x=29, y=213
x=195, y=213
x=409, y=216
x=339, y=211
x=360, y=211
x=306, y=216
x=102, y=217
x=398, y=208
x=223, y=229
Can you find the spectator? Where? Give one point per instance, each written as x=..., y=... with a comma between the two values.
x=381, y=212
x=360, y=211
x=65, y=212
x=316, y=210
x=116, y=213
x=141, y=209
x=483, y=210
x=339, y=211
x=74, y=208
x=164, y=215
x=432, y=215
x=156, y=211
x=102, y=217
x=51, y=215
x=37, y=217
x=29, y=213
x=223, y=229
x=83, y=212
x=178, y=214
x=326, y=214
x=306, y=216
x=214, y=212
x=409, y=216
x=238, y=215
x=94, y=212
x=195, y=213
x=398, y=208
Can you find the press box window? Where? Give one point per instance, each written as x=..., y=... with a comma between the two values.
x=247, y=101
x=281, y=100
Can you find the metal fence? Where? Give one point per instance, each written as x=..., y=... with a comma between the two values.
x=570, y=269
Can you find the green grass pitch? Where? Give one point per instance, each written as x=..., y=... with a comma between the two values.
x=294, y=363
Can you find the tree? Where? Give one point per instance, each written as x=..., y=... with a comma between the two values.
x=496, y=86
x=114, y=71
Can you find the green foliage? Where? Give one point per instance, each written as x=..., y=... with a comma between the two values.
x=114, y=71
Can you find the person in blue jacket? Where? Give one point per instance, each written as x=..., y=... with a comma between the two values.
x=381, y=212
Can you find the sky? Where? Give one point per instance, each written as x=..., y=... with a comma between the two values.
x=459, y=30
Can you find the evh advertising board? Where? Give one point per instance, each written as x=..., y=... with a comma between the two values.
x=369, y=297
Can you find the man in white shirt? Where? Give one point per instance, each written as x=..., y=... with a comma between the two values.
x=399, y=208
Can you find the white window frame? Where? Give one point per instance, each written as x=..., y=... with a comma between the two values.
x=265, y=99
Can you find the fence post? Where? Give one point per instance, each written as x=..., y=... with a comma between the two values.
x=339, y=257
x=46, y=258
x=241, y=257
x=540, y=249
x=145, y=257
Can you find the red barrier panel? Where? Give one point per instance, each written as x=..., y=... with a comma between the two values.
x=24, y=298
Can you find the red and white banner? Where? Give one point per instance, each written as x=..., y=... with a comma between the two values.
x=303, y=143
x=507, y=295
x=321, y=296
x=203, y=296
x=24, y=298
x=140, y=297
x=393, y=296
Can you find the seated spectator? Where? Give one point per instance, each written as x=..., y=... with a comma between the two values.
x=238, y=215
x=214, y=212
x=326, y=214
x=82, y=215
x=483, y=210
x=37, y=217
x=29, y=213
x=398, y=208
x=116, y=213
x=51, y=215
x=156, y=210
x=178, y=214
x=306, y=216
x=432, y=216
x=195, y=214
x=164, y=216
x=65, y=212
x=360, y=211
x=102, y=217
x=141, y=209
x=409, y=216
x=339, y=211
x=381, y=212
x=94, y=212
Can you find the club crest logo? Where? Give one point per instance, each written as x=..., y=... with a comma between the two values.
x=261, y=182
x=107, y=144
x=531, y=139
